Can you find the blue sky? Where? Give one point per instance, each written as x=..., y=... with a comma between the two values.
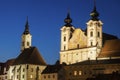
x=46, y=17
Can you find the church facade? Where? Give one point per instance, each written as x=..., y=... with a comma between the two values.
x=78, y=45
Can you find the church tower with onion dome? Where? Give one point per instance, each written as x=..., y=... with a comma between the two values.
x=66, y=32
x=94, y=29
x=94, y=32
x=78, y=45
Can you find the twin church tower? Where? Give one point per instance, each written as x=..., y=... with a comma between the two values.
x=79, y=45
x=76, y=44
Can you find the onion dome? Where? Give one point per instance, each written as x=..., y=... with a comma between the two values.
x=68, y=20
x=94, y=14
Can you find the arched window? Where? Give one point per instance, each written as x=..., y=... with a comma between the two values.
x=64, y=38
x=28, y=43
x=98, y=34
x=78, y=46
x=91, y=34
x=64, y=47
x=91, y=43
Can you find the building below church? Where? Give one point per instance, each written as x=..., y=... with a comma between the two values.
x=88, y=54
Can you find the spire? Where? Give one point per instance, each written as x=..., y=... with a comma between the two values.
x=26, y=27
x=95, y=5
x=94, y=14
x=68, y=20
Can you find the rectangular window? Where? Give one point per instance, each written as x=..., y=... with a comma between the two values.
x=23, y=76
x=80, y=72
x=78, y=46
x=11, y=77
x=31, y=76
x=53, y=76
x=31, y=69
x=17, y=76
x=48, y=76
x=44, y=77
x=75, y=73
x=5, y=77
x=23, y=69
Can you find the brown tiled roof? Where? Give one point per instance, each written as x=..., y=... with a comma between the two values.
x=30, y=56
x=111, y=48
x=52, y=69
x=108, y=37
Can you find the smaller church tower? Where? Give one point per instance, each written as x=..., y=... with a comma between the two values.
x=94, y=29
x=26, y=37
x=66, y=33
